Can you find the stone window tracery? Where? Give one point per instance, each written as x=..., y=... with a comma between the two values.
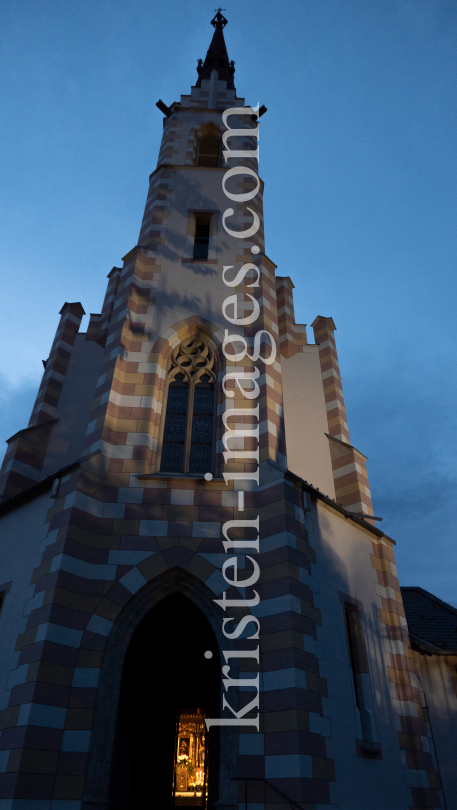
x=187, y=440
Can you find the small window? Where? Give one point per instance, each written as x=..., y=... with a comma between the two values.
x=358, y=659
x=201, y=243
x=208, y=151
x=187, y=442
x=357, y=649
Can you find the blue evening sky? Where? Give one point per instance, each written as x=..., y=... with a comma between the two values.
x=359, y=160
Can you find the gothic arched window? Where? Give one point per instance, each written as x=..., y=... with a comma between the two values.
x=208, y=151
x=187, y=441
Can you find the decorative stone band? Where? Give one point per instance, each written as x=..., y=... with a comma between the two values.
x=408, y=700
x=292, y=336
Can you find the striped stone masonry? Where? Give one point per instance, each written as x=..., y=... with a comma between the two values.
x=98, y=324
x=210, y=96
x=124, y=411
x=352, y=488
x=292, y=336
x=294, y=757
x=324, y=329
x=24, y=459
x=47, y=399
x=93, y=329
x=270, y=401
x=172, y=134
x=414, y=733
x=104, y=545
x=26, y=452
x=349, y=465
x=157, y=209
x=125, y=419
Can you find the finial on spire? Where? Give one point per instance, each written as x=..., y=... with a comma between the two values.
x=219, y=18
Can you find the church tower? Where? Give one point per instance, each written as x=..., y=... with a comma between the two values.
x=198, y=607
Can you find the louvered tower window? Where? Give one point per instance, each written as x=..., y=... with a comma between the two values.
x=187, y=441
x=208, y=151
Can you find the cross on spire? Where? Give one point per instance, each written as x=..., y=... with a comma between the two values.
x=219, y=18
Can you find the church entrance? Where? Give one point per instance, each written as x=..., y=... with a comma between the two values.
x=163, y=756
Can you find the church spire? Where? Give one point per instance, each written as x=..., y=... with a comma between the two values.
x=217, y=56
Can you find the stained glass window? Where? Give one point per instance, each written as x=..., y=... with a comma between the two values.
x=202, y=428
x=187, y=442
x=174, y=433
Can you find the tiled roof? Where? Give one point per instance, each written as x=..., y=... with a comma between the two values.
x=429, y=619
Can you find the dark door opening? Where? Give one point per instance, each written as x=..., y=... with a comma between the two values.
x=168, y=688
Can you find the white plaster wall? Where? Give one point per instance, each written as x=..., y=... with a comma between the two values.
x=343, y=564
x=442, y=706
x=305, y=417
x=21, y=533
x=68, y=435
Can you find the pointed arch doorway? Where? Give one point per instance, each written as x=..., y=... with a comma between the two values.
x=168, y=687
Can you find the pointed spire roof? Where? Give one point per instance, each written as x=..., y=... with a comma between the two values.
x=217, y=56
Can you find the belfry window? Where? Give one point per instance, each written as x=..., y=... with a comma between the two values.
x=187, y=442
x=201, y=242
x=208, y=151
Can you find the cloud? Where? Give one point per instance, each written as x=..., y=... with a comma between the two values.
x=404, y=423
x=16, y=403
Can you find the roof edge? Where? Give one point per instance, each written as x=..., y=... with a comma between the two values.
x=348, y=515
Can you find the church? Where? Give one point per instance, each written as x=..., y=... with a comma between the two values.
x=198, y=607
